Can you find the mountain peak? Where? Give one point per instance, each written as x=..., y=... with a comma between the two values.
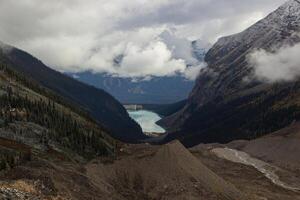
x=281, y=23
x=292, y=3
x=290, y=8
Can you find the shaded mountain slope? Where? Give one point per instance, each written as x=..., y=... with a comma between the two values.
x=37, y=123
x=165, y=109
x=41, y=136
x=223, y=106
x=102, y=106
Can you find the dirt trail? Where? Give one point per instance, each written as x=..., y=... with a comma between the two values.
x=267, y=169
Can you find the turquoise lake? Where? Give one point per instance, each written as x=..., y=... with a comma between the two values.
x=146, y=119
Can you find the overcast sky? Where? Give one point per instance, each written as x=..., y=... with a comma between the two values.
x=152, y=35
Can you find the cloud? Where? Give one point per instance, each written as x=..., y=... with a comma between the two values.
x=193, y=72
x=154, y=59
x=5, y=48
x=145, y=53
x=180, y=47
x=76, y=35
x=205, y=19
x=281, y=65
x=158, y=57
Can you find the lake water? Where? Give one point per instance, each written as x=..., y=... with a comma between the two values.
x=146, y=119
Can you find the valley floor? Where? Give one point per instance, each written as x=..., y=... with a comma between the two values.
x=149, y=172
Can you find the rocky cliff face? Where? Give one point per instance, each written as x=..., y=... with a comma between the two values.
x=222, y=87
